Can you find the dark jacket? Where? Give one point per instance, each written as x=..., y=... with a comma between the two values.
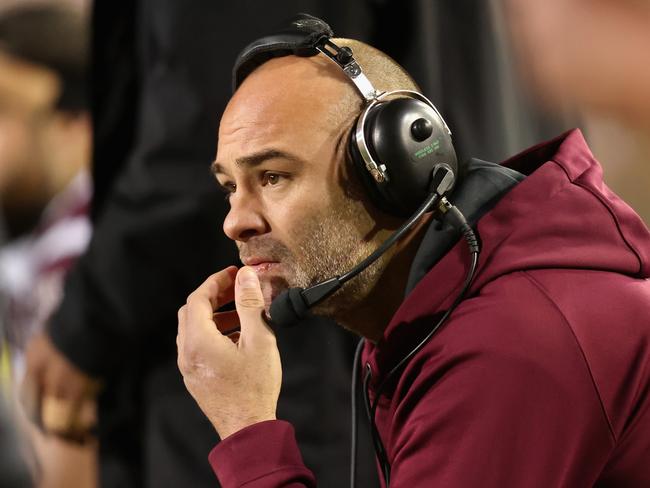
x=540, y=378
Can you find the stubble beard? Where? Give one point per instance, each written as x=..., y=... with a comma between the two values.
x=327, y=245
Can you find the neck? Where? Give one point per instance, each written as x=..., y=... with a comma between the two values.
x=370, y=317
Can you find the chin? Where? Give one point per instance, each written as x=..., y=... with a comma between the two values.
x=271, y=289
x=267, y=293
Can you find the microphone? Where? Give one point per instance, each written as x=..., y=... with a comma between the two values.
x=293, y=305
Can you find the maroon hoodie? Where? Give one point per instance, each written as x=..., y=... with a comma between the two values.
x=540, y=378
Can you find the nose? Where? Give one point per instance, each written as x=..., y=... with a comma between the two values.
x=245, y=219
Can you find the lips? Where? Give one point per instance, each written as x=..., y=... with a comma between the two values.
x=262, y=267
x=260, y=264
x=255, y=261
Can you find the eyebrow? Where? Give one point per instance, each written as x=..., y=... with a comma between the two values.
x=256, y=159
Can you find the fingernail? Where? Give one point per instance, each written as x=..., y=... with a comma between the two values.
x=247, y=277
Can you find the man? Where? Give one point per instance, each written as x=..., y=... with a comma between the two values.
x=538, y=378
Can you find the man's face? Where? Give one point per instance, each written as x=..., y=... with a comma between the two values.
x=27, y=93
x=280, y=157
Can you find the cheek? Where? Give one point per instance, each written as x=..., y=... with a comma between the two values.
x=294, y=213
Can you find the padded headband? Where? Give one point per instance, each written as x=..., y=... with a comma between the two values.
x=302, y=36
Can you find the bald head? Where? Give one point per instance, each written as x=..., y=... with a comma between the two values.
x=382, y=70
x=293, y=87
x=316, y=83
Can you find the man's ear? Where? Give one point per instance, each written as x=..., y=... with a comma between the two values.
x=346, y=172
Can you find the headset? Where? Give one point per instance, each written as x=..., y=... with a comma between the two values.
x=400, y=146
x=402, y=151
x=399, y=139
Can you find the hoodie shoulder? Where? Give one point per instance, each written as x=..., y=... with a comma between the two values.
x=585, y=171
x=572, y=155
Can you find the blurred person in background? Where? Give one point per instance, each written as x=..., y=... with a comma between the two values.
x=591, y=57
x=45, y=140
x=586, y=53
x=161, y=77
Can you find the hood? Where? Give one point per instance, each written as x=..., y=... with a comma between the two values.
x=561, y=215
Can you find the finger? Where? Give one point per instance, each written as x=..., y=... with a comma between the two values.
x=213, y=293
x=181, y=341
x=180, y=336
x=216, y=291
x=55, y=413
x=218, y=288
x=61, y=417
x=249, y=302
x=83, y=428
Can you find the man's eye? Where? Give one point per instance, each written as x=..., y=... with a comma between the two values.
x=228, y=188
x=271, y=178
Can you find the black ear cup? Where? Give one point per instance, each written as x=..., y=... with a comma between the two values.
x=407, y=139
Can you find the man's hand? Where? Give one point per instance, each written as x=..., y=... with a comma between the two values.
x=236, y=384
x=56, y=393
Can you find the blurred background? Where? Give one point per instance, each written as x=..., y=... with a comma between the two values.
x=109, y=217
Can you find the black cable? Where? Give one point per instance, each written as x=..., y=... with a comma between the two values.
x=380, y=450
x=313, y=295
x=299, y=300
x=455, y=218
x=354, y=414
x=430, y=202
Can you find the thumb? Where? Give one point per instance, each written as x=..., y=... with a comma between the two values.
x=250, y=304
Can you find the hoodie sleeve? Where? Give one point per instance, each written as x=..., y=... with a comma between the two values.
x=263, y=455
